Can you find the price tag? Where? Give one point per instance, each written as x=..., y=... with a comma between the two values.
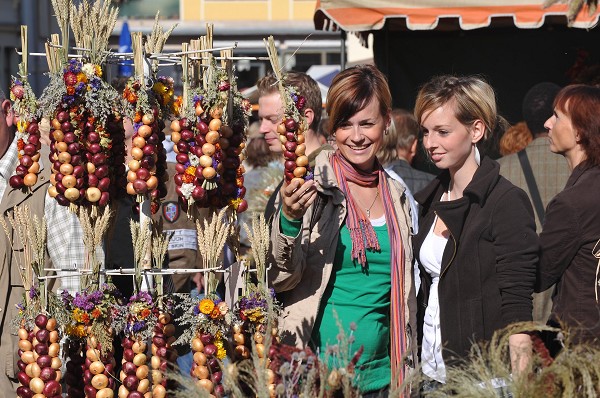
x=183, y=239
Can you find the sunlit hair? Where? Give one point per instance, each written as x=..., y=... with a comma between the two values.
x=352, y=90
x=306, y=86
x=403, y=131
x=471, y=96
x=581, y=104
x=515, y=138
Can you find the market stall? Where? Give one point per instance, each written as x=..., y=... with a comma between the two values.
x=514, y=43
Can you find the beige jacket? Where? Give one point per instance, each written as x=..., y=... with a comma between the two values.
x=11, y=286
x=302, y=265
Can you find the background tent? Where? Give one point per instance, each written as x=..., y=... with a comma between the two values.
x=514, y=43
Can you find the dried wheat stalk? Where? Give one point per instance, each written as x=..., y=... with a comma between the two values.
x=259, y=238
x=155, y=41
x=93, y=227
x=92, y=26
x=31, y=232
x=141, y=237
x=211, y=241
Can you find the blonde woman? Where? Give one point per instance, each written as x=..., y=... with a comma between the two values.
x=477, y=247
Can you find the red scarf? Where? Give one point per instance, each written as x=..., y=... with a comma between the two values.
x=363, y=237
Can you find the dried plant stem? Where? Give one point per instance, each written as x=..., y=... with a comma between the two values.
x=92, y=26
x=93, y=226
x=156, y=40
x=141, y=237
x=259, y=238
x=211, y=241
x=138, y=55
x=30, y=231
x=24, y=52
x=62, y=10
x=160, y=246
x=185, y=78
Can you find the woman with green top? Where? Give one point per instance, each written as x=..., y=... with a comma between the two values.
x=341, y=243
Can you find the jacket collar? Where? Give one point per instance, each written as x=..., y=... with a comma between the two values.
x=485, y=178
x=455, y=212
x=578, y=172
x=326, y=176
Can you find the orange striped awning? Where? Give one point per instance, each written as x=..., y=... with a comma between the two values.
x=362, y=15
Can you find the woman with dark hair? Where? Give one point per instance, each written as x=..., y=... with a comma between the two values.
x=477, y=247
x=341, y=242
x=570, y=253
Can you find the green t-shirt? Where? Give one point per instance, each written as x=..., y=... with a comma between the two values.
x=361, y=297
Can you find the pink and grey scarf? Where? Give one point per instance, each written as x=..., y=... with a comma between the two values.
x=363, y=238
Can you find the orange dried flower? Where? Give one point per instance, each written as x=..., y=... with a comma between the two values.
x=191, y=170
x=96, y=313
x=188, y=179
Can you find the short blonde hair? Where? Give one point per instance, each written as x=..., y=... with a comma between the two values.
x=473, y=99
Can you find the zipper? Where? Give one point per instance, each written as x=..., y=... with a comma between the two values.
x=453, y=253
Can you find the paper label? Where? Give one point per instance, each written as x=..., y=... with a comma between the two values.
x=183, y=239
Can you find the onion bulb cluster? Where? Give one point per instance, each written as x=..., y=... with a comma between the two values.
x=147, y=169
x=134, y=370
x=73, y=379
x=162, y=354
x=68, y=167
x=98, y=370
x=39, y=364
x=206, y=367
x=28, y=135
x=199, y=155
x=294, y=150
x=86, y=152
x=28, y=146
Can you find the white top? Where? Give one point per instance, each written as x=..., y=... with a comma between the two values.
x=431, y=350
x=378, y=222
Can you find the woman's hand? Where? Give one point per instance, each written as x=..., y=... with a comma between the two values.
x=297, y=198
x=520, y=352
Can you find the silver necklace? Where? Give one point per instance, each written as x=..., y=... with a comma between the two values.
x=370, y=207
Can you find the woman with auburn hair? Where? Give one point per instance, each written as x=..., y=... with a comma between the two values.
x=341, y=242
x=570, y=252
x=477, y=247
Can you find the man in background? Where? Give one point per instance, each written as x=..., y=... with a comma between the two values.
x=270, y=115
x=547, y=172
x=399, y=149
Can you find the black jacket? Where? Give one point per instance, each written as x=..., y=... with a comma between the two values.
x=570, y=232
x=489, y=263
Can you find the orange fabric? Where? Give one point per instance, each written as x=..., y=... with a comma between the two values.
x=360, y=19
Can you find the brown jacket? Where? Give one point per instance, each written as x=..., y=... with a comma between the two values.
x=302, y=265
x=570, y=235
x=11, y=286
x=183, y=247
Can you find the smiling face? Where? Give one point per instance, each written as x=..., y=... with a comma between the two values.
x=361, y=136
x=270, y=114
x=448, y=142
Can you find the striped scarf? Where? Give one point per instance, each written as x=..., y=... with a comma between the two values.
x=363, y=237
